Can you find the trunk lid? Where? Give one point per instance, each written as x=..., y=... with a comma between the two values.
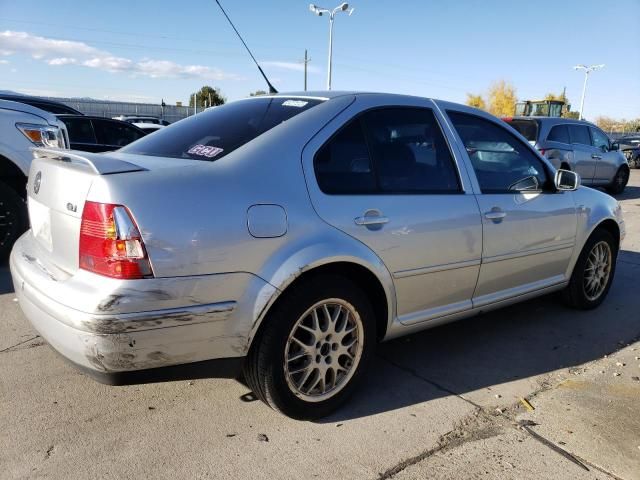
x=58, y=185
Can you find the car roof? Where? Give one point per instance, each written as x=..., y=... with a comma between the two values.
x=44, y=101
x=574, y=121
x=25, y=107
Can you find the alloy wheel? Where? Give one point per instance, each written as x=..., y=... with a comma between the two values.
x=323, y=350
x=597, y=270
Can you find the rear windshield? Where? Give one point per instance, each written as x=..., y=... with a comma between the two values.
x=527, y=128
x=214, y=133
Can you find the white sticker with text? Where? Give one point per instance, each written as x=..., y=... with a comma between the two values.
x=205, y=151
x=294, y=103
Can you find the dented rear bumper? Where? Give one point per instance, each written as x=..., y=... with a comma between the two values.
x=109, y=327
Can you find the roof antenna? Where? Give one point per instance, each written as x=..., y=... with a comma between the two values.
x=271, y=87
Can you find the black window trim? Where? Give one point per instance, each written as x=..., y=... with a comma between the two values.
x=550, y=175
x=378, y=189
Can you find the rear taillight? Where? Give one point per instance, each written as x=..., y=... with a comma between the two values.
x=542, y=151
x=111, y=244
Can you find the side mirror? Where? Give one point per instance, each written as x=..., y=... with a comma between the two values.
x=615, y=146
x=566, y=180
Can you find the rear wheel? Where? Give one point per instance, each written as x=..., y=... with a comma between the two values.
x=13, y=219
x=593, y=273
x=619, y=181
x=314, y=348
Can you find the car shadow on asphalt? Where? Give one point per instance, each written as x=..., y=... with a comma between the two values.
x=517, y=342
x=630, y=193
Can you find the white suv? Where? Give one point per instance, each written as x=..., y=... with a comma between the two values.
x=21, y=128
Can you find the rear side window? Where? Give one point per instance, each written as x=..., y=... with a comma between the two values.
x=502, y=162
x=388, y=151
x=343, y=165
x=579, y=134
x=559, y=133
x=214, y=133
x=80, y=130
x=115, y=133
x=410, y=152
x=527, y=128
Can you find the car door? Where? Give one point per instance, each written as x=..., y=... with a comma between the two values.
x=387, y=177
x=81, y=134
x=607, y=164
x=113, y=134
x=528, y=227
x=584, y=155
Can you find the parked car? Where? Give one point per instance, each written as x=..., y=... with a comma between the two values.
x=148, y=128
x=50, y=106
x=388, y=214
x=141, y=119
x=578, y=146
x=21, y=128
x=630, y=147
x=98, y=134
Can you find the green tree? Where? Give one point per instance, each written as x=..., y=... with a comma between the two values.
x=208, y=97
x=476, y=101
x=257, y=93
x=502, y=99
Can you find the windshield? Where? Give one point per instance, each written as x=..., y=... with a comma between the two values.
x=214, y=133
x=527, y=128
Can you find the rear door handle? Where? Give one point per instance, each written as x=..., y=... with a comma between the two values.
x=596, y=156
x=495, y=215
x=371, y=220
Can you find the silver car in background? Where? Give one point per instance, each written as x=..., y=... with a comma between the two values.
x=578, y=146
x=286, y=235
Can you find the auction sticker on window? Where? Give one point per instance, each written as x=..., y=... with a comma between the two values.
x=205, y=151
x=294, y=103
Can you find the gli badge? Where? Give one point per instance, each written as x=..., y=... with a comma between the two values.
x=36, y=182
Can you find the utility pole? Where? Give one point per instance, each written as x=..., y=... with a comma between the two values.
x=306, y=60
x=587, y=71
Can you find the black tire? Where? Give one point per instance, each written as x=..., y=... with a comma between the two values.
x=264, y=370
x=14, y=219
x=574, y=294
x=620, y=180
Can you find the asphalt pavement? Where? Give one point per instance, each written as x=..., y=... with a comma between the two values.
x=532, y=391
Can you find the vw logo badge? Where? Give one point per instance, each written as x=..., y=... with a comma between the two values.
x=36, y=182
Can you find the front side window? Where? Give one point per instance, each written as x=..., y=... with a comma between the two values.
x=214, y=133
x=388, y=151
x=579, y=134
x=502, y=163
x=559, y=133
x=599, y=139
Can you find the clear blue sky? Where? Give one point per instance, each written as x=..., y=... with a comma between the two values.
x=146, y=50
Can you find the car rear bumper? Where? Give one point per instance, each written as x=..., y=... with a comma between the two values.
x=109, y=327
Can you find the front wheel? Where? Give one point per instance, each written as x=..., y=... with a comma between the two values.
x=315, y=347
x=593, y=273
x=619, y=181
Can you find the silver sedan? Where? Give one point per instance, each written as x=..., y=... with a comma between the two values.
x=284, y=236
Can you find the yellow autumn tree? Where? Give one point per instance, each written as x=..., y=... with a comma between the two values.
x=476, y=101
x=502, y=99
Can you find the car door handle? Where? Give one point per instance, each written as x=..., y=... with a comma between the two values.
x=596, y=156
x=495, y=215
x=370, y=220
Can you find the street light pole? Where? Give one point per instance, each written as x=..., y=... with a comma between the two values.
x=332, y=13
x=587, y=71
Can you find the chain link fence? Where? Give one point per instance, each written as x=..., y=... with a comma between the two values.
x=109, y=109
